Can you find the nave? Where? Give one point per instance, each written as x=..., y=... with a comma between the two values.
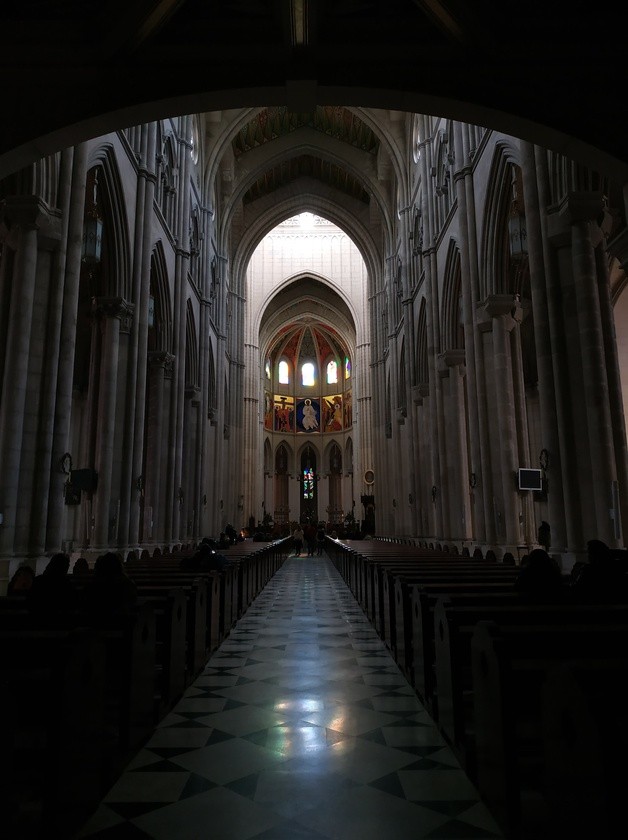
x=301, y=727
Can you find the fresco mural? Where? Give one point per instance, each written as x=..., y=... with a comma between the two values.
x=332, y=413
x=284, y=414
x=268, y=411
x=308, y=415
x=348, y=410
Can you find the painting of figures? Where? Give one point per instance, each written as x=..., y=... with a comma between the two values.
x=332, y=414
x=308, y=415
x=348, y=410
x=268, y=411
x=284, y=414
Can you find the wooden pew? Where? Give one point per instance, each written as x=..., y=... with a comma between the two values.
x=511, y=666
x=170, y=609
x=586, y=742
x=410, y=610
x=395, y=599
x=423, y=599
x=52, y=686
x=131, y=675
x=195, y=590
x=130, y=660
x=454, y=625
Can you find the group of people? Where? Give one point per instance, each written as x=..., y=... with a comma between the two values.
x=603, y=576
x=312, y=537
x=206, y=558
x=98, y=598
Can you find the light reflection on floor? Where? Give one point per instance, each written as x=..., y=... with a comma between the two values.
x=300, y=728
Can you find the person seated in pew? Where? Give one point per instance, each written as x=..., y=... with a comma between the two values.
x=231, y=534
x=22, y=580
x=223, y=541
x=540, y=578
x=204, y=559
x=603, y=577
x=52, y=597
x=80, y=567
x=110, y=594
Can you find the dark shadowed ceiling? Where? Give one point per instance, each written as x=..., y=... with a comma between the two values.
x=553, y=72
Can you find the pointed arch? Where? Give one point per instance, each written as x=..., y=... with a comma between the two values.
x=191, y=348
x=422, y=364
x=268, y=457
x=348, y=456
x=160, y=292
x=497, y=275
x=116, y=268
x=403, y=390
x=212, y=404
x=452, y=335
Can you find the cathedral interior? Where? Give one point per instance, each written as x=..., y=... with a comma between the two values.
x=462, y=273
x=265, y=263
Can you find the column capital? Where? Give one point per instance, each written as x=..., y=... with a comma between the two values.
x=582, y=206
x=495, y=305
x=419, y=392
x=114, y=307
x=454, y=357
x=28, y=212
x=24, y=210
x=160, y=359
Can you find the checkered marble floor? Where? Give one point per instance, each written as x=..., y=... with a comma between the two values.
x=301, y=727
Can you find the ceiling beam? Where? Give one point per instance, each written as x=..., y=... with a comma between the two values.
x=443, y=18
x=141, y=22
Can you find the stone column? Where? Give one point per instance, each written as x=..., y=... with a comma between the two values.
x=111, y=312
x=38, y=410
x=24, y=216
x=160, y=366
x=252, y=465
x=499, y=307
x=433, y=342
x=134, y=468
x=182, y=260
x=614, y=384
x=191, y=465
x=67, y=344
x=460, y=524
x=528, y=533
x=596, y=403
x=47, y=468
x=538, y=260
x=562, y=472
x=463, y=179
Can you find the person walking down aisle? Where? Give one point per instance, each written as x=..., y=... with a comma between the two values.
x=301, y=727
x=297, y=538
x=310, y=538
x=320, y=539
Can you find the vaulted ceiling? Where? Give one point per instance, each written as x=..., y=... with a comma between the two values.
x=273, y=123
x=551, y=72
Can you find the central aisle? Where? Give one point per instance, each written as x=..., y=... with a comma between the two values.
x=300, y=728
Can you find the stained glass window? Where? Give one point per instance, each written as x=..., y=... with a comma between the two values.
x=284, y=377
x=308, y=483
x=267, y=368
x=347, y=368
x=332, y=373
